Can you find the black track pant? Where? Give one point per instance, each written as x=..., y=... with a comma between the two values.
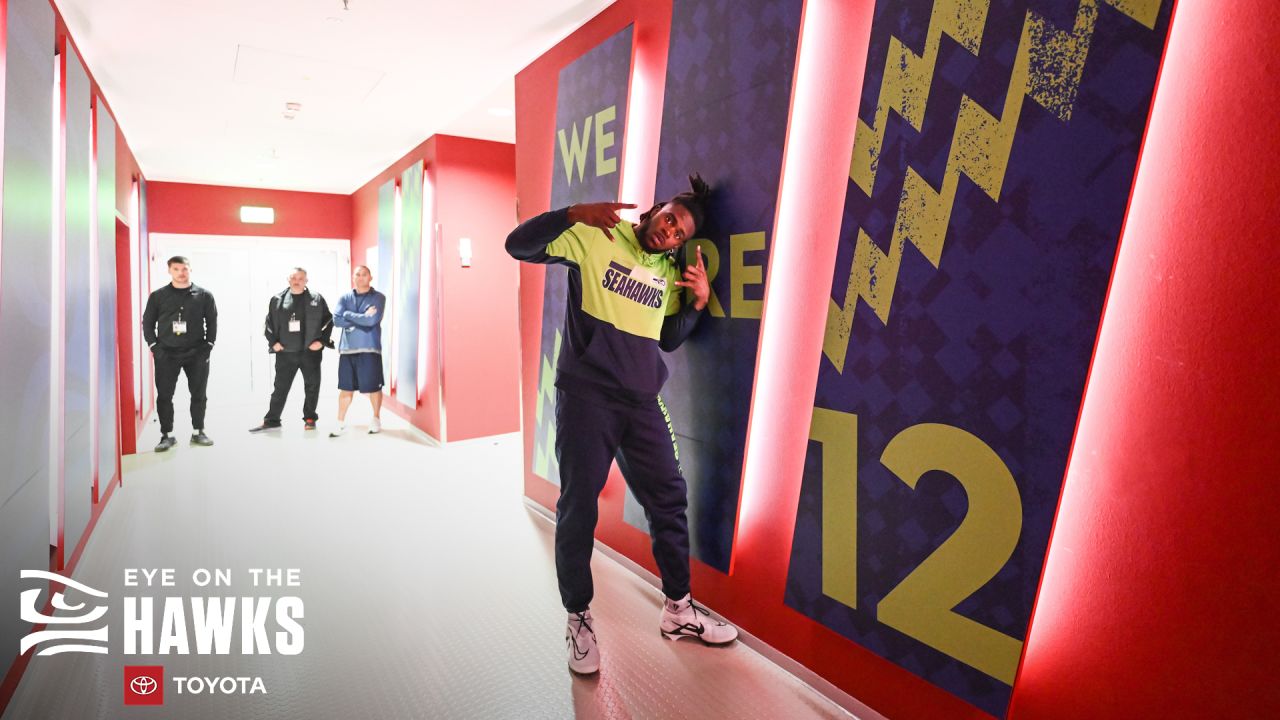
x=195, y=363
x=287, y=366
x=589, y=434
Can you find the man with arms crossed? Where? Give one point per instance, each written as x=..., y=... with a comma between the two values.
x=359, y=314
x=622, y=308
x=180, y=323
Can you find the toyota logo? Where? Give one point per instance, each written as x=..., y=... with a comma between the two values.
x=143, y=685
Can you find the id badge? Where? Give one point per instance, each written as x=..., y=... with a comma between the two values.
x=295, y=326
x=179, y=327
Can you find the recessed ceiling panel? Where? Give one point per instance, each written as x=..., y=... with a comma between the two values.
x=200, y=89
x=309, y=75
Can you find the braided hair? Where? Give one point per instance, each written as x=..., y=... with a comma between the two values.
x=693, y=200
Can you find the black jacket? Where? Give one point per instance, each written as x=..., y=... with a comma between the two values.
x=193, y=305
x=310, y=308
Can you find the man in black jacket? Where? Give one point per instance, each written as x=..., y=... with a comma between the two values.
x=180, y=324
x=297, y=329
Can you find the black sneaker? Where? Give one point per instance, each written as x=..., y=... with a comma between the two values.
x=264, y=427
x=309, y=424
x=199, y=438
x=166, y=442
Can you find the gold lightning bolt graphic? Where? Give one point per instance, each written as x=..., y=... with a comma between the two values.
x=1047, y=69
x=544, y=450
x=908, y=77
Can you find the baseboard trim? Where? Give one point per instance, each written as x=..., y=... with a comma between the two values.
x=841, y=699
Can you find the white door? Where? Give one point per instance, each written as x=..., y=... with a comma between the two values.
x=243, y=273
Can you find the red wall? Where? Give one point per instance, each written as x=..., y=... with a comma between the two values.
x=824, y=110
x=475, y=198
x=126, y=171
x=753, y=595
x=1155, y=596
x=215, y=210
x=1158, y=595
x=105, y=479
x=130, y=424
x=128, y=418
x=364, y=209
x=535, y=142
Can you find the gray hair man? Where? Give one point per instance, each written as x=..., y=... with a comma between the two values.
x=297, y=330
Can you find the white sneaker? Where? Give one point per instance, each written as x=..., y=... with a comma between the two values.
x=580, y=643
x=375, y=426
x=338, y=431
x=684, y=618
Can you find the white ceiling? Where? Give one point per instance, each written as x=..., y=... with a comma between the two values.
x=200, y=87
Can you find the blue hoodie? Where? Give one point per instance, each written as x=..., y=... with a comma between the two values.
x=360, y=332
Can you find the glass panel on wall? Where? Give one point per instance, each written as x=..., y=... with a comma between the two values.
x=78, y=458
x=26, y=298
x=408, y=285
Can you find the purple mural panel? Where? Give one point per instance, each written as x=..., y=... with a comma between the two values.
x=591, y=112
x=728, y=92
x=995, y=150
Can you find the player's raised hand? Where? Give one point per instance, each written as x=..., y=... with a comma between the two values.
x=603, y=215
x=695, y=278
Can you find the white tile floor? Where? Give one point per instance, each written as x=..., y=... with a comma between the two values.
x=429, y=590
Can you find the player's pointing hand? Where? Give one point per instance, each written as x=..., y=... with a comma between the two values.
x=603, y=215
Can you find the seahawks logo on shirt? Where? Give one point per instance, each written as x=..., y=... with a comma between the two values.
x=635, y=284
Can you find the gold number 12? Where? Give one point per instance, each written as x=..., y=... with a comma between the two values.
x=922, y=605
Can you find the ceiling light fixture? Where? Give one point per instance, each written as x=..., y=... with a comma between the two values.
x=257, y=215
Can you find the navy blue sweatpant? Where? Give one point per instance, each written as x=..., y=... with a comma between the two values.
x=589, y=435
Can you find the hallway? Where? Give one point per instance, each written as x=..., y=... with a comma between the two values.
x=429, y=589
x=956, y=313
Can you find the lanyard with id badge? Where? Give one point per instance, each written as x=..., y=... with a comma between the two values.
x=180, y=325
x=295, y=325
